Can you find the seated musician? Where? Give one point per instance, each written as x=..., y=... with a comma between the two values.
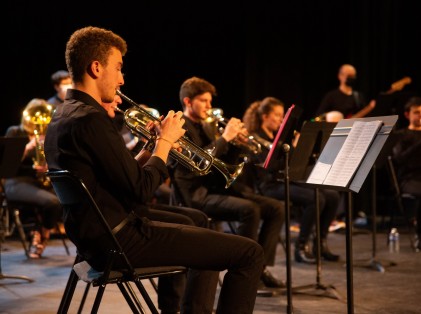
x=83, y=139
x=263, y=119
x=208, y=192
x=30, y=186
x=407, y=154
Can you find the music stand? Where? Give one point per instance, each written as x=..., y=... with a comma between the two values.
x=284, y=134
x=313, y=137
x=353, y=169
x=11, y=151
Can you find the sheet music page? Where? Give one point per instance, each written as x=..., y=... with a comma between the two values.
x=349, y=157
x=319, y=173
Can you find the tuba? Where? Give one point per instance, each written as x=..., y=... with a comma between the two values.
x=191, y=155
x=35, y=119
x=248, y=142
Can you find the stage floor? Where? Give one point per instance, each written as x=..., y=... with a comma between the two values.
x=394, y=291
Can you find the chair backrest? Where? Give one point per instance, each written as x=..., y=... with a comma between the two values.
x=71, y=192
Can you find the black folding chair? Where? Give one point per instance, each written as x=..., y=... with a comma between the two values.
x=401, y=199
x=72, y=192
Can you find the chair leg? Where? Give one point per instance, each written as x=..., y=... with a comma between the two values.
x=154, y=284
x=146, y=297
x=98, y=298
x=68, y=293
x=131, y=297
x=21, y=232
x=85, y=295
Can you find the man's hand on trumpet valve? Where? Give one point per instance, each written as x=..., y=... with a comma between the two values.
x=232, y=129
x=171, y=128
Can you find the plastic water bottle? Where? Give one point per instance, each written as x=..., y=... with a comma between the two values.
x=394, y=240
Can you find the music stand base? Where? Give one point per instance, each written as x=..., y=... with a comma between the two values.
x=320, y=290
x=375, y=264
x=3, y=276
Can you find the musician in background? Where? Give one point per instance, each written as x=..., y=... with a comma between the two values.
x=61, y=82
x=407, y=157
x=30, y=186
x=345, y=99
x=207, y=192
x=263, y=119
x=83, y=139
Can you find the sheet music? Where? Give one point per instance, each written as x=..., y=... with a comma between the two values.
x=349, y=157
x=319, y=173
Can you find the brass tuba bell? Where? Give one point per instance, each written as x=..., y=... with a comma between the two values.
x=35, y=119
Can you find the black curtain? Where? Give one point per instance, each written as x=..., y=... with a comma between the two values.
x=290, y=50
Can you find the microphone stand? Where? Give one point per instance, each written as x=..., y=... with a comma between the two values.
x=286, y=148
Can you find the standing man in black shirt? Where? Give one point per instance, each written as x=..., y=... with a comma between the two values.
x=345, y=99
x=83, y=139
x=208, y=193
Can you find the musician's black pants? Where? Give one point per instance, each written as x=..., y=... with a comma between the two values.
x=205, y=252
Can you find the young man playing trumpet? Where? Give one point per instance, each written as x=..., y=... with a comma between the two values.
x=207, y=192
x=83, y=139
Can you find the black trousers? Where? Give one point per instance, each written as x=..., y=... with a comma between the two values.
x=28, y=190
x=171, y=288
x=305, y=197
x=205, y=252
x=254, y=212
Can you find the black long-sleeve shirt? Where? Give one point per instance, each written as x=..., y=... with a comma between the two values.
x=407, y=155
x=83, y=139
x=336, y=100
x=192, y=186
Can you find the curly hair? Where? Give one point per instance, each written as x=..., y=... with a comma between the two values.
x=90, y=44
x=252, y=118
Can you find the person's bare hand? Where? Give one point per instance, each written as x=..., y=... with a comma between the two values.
x=232, y=129
x=40, y=168
x=171, y=127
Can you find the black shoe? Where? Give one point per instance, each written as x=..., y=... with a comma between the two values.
x=325, y=253
x=271, y=282
x=302, y=254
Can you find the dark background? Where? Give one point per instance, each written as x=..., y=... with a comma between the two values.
x=288, y=49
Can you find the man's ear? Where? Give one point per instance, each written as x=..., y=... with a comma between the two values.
x=187, y=102
x=94, y=69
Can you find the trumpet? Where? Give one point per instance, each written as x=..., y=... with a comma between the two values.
x=191, y=155
x=248, y=142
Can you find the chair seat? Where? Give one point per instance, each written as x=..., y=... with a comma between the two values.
x=88, y=274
